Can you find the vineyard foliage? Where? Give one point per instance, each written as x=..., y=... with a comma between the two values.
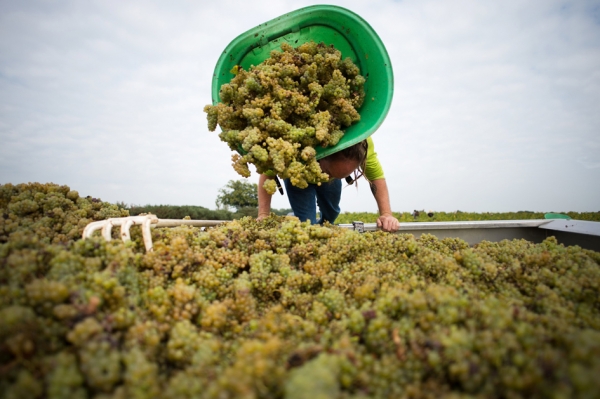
x=201, y=213
x=195, y=212
x=284, y=309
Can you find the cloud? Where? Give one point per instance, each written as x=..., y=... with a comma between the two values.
x=489, y=98
x=588, y=163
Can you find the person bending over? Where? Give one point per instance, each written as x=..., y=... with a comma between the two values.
x=358, y=159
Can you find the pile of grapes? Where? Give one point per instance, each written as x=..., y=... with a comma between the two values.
x=277, y=112
x=283, y=309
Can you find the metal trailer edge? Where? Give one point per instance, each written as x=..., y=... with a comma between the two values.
x=570, y=232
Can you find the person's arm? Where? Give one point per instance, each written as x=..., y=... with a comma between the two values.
x=264, y=199
x=386, y=219
x=374, y=173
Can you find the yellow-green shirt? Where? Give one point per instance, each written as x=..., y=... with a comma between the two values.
x=373, y=169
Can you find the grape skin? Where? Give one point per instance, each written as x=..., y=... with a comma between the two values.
x=263, y=309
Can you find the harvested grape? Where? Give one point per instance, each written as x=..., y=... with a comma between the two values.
x=277, y=112
x=284, y=309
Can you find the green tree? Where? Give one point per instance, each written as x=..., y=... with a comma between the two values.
x=239, y=194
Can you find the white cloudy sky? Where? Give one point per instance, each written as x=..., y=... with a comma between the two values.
x=496, y=104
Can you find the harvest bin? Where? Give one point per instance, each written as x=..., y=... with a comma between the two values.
x=568, y=232
x=347, y=32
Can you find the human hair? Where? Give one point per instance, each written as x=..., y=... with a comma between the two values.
x=357, y=153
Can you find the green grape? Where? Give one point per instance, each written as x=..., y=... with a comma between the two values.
x=270, y=186
x=25, y=386
x=100, y=364
x=280, y=308
x=63, y=379
x=277, y=112
x=318, y=378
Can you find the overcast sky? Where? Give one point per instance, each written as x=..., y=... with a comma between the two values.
x=496, y=104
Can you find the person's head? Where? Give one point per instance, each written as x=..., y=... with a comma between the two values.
x=342, y=163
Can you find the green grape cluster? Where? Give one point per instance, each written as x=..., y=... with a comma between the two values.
x=282, y=309
x=277, y=112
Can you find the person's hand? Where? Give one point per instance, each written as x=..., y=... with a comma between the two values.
x=388, y=222
x=262, y=216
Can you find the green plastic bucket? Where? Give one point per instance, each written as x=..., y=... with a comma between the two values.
x=333, y=25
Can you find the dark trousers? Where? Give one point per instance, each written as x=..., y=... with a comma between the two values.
x=304, y=200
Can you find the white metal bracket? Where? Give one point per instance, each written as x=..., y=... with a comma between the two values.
x=146, y=222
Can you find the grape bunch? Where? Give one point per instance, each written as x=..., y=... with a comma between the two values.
x=282, y=309
x=277, y=112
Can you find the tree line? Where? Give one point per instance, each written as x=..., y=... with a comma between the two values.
x=239, y=198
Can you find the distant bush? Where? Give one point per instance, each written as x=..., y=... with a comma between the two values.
x=282, y=211
x=201, y=213
x=195, y=212
x=179, y=212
